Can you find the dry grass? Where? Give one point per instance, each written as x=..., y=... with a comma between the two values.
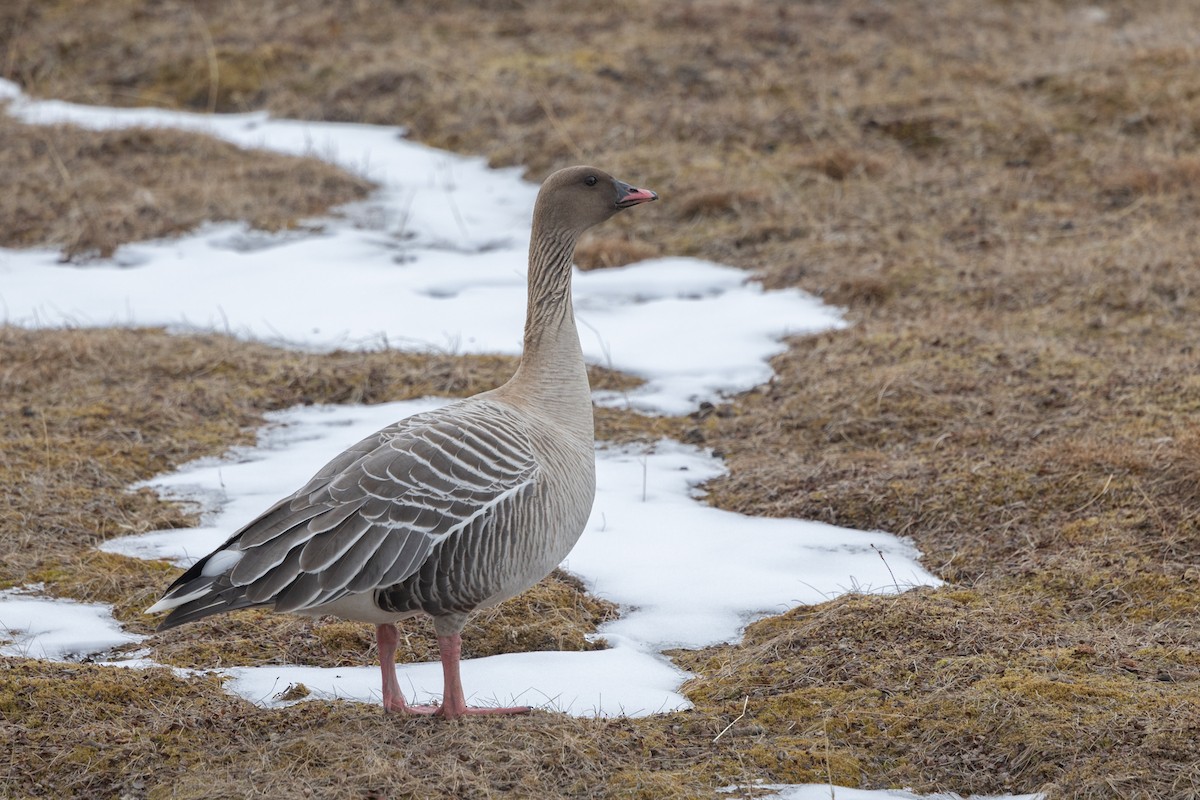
x=1003, y=195
x=599, y=251
x=86, y=192
x=82, y=731
x=1017, y=692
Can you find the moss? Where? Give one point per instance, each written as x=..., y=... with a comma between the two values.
x=790, y=759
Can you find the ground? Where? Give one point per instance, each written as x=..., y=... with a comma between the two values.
x=1002, y=194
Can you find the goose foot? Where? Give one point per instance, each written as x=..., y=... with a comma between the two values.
x=449, y=712
x=454, y=704
x=454, y=712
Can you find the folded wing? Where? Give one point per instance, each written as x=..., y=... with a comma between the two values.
x=369, y=518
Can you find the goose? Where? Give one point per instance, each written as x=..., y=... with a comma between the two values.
x=447, y=511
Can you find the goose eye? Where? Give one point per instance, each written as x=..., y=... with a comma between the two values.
x=590, y=180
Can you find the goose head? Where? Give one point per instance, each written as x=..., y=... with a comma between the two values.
x=576, y=198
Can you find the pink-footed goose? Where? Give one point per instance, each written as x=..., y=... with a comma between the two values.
x=448, y=511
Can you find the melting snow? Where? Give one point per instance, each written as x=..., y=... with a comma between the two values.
x=687, y=574
x=435, y=260
x=61, y=630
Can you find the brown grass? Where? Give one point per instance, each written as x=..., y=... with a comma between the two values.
x=87, y=192
x=599, y=251
x=1001, y=193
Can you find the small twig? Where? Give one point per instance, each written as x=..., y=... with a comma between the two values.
x=608, y=360
x=645, y=474
x=46, y=439
x=210, y=52
x=449, y=187
x=828, y=767
x=745, y=703
x=1102, y=492
x=68, y=181
x=59, y=164
x=886, y=564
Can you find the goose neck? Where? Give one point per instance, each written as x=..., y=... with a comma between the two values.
x=548, y=312
x=552, y=373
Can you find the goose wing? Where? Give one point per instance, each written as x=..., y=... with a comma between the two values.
x=369, y=518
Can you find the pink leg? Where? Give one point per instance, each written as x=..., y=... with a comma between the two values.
x=454, y=702
x=393, y=699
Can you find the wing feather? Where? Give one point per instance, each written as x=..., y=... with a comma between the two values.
x=370, y=517
x=341, y=573
x=264, y=588
x=328, y=548
x=304, y=592
x=408, y=560
x=281, y=518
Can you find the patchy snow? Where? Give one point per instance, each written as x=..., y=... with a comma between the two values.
x=435, y=260
x=687, y=574
x=693, y=575
x=56, y=629
x=623, y=680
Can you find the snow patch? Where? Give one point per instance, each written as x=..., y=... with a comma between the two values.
x=60, y=630
x=434, y=261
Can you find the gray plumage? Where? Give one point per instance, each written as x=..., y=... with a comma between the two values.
x=429, y=511
x=447, y=511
